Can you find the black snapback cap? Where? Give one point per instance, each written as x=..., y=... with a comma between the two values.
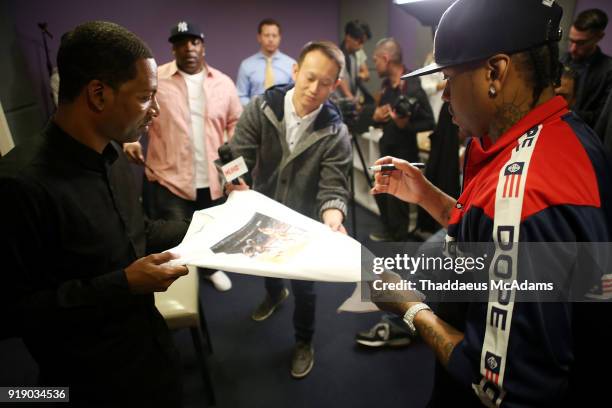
x=471, y=30
x=184, y=29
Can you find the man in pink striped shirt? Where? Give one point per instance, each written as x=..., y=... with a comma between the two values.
x=199, y=108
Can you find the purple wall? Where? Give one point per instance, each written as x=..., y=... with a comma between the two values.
x=415, y=39
x=606, y=6
x=230, y=26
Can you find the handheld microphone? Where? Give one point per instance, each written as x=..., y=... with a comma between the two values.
x=229, y=166
x=225, y=153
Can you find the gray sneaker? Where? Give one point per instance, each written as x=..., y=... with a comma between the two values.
x=383, y=334
x=268, y=306
x=302, y=360
x=382, y=236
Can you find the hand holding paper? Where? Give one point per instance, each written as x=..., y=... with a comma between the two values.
x=256, y=235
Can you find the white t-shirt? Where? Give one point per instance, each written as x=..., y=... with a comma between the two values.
x=430, y=83
x=361, y=58
x=295, y=125
x=197, y=106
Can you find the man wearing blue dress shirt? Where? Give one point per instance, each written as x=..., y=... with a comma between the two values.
x=266, y=68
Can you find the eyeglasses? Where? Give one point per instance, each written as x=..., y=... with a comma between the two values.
x=582, y=43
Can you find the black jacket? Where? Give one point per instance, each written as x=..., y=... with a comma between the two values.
x=71, y=222
x=593, y=85
x=402, y=143
x=603, y=127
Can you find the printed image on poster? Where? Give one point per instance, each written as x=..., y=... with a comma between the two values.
x=264, y=238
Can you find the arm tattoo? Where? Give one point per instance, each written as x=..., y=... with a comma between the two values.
x=441, y=345
x=440, y=336
x=445, y=215
x=445, y=205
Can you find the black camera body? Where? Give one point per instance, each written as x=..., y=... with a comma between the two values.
x=406, y=106
x=349, y=111
x=348, y=108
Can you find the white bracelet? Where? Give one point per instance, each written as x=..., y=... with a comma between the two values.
x=411, y=313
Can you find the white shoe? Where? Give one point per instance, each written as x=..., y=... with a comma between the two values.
x=220, y=281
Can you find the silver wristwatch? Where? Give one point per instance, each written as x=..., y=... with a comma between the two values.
x=409, y=316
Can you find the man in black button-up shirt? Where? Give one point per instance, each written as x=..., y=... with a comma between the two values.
x=77, y=284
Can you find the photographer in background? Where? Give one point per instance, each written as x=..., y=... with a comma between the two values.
x=402, y=110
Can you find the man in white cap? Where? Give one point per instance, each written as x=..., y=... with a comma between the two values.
x=199, y=106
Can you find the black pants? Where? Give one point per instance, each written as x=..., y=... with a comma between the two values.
x=304, y=312
x=161, y=204
x=394, y=214
x=449, y=393
x=443, y=165
x=154, y=381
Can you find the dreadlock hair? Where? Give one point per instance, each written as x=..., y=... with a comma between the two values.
x=540, y=67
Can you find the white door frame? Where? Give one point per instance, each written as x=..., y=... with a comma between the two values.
x=6, y=140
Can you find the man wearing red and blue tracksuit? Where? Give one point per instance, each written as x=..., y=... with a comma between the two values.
x=539, y=175
x=566, y=193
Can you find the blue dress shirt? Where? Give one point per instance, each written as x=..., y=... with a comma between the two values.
x=252, y=73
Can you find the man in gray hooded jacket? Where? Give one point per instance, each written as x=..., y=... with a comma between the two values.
x=299, y=153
